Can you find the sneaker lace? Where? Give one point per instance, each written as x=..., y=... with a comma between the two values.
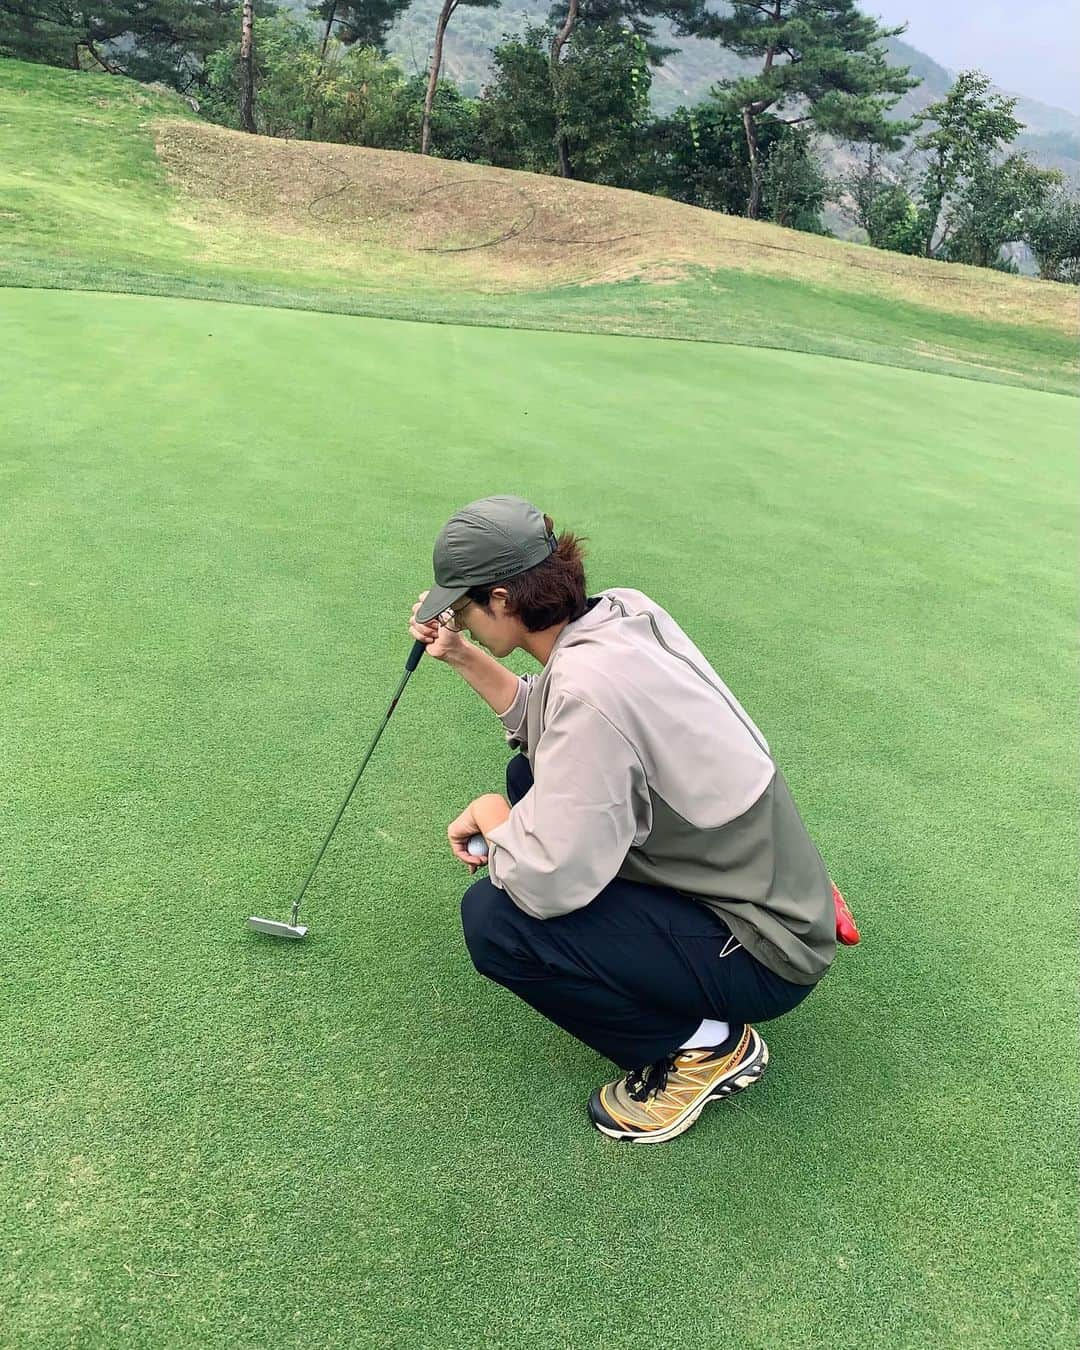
x=644, y=1083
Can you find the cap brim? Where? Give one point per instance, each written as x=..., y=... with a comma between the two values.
x=438, y=599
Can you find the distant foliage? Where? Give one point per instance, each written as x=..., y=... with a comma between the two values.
x=1052, y=231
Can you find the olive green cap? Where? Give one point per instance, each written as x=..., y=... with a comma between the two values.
x=482, y=544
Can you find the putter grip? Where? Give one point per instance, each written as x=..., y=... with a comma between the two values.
x=415, y=655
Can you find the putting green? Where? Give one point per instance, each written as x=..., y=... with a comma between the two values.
x=215, y=520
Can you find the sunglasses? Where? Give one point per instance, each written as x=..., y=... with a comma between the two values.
x=451, y=618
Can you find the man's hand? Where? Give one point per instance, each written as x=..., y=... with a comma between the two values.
x=459, y=832
x=441, y=643
x=479, y=817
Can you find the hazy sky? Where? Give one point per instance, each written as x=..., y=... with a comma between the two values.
x=1031, y=48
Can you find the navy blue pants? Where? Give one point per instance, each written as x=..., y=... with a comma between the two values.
x=632, y=973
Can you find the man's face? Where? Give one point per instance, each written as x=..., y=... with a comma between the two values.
x=492, y=628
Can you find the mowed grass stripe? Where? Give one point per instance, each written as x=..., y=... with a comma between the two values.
x=215, y=520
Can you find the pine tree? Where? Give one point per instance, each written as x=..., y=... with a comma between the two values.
x=149, y=39
x=822, y=60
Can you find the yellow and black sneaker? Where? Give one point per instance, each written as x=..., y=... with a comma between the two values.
x=655, y=1104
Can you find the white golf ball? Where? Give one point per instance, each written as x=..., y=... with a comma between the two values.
x=477, y=846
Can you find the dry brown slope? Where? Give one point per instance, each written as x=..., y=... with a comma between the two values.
x=462, y=225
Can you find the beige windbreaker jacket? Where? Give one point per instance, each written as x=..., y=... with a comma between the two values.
x=646, y=768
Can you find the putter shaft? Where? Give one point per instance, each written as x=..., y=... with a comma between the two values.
x=292, y=929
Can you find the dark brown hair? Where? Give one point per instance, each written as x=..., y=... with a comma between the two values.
x=548, y=593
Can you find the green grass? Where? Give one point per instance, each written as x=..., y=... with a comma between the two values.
x=85, y=204
x=79, y=179
x=215, y=520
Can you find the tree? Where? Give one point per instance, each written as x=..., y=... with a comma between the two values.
x=453, y=121
x=517, y=110
x=1052, y=231
x=601, y=116
x=634, y=16
x=822, y=60
x=445, y=15
x=364, y=22
x=602, y=104
x=698, y=155
x=40, y=33
x=994, y=207
x=882, y=205
x=794, y=187
x=165, y=40
x=247, y=68
x=348, y=94
x=971, y=126
x=894, y=221
x=558, y=94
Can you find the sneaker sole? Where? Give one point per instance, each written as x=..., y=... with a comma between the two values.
x=746, y=1076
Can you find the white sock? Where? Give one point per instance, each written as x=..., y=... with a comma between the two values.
x=710, y=1033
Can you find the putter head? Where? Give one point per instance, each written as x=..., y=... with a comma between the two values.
x=274, y=928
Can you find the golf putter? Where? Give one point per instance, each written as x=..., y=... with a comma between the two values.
x=292, y=929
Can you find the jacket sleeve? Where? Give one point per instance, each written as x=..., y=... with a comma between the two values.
x=513, y=719
x=569, y=835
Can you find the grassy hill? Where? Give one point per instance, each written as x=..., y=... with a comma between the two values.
x=107, y=185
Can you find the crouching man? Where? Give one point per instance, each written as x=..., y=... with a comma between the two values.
x=651, y=886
